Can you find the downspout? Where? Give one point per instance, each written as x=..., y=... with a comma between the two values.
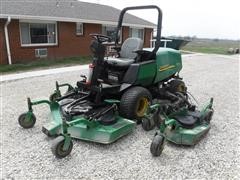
x=7, y=40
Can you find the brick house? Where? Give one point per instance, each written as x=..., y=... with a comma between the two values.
x=55, y=28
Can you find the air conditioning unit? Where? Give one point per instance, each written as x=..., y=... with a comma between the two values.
x=41, y=53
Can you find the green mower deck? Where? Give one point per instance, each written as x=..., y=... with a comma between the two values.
x=184, y=136
x=81, y=128
x=173, y=130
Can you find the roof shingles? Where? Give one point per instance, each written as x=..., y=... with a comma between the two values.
x=67, y=9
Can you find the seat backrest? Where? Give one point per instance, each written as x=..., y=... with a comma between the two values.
x=130, y=45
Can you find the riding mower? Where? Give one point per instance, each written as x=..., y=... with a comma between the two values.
x=118, y=93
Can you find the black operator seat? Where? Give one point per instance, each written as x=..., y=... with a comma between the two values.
x=127, y=54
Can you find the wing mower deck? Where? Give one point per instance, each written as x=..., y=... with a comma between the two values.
x=81, y=127
x=103, y=125
x=186, y=126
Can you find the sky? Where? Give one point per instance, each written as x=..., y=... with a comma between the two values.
x=201, y=18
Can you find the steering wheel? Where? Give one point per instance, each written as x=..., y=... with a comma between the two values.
x=101, y=38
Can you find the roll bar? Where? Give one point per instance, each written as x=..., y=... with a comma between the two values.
x=159, y=25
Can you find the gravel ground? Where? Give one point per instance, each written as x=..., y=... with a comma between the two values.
x=26, y=153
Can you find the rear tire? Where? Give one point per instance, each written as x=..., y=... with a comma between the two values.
x=135, y=102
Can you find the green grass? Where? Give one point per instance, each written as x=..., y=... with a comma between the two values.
x=211, y=46
x=44, y=64
x=197, y=45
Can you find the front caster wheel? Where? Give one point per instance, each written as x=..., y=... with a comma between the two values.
x=58, y=147
x=157, y=145
x=27, y=120
x=147, y=123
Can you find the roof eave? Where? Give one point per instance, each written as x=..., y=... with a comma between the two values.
x=65, y=19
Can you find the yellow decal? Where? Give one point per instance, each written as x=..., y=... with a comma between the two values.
x=166, y=67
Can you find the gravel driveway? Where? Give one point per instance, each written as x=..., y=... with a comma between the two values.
x=26, y=154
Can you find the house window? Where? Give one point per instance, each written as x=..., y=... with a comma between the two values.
x=135, y=32
x=79, y=28
x=33, y=34
x=38, y=33
x=110, y=31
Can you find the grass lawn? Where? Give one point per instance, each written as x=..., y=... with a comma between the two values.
x=197, y=45
x=211, y=46
x=44, y=64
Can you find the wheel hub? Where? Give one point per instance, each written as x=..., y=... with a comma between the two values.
x=142, y=106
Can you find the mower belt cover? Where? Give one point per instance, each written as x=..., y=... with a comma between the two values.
x=90, y=130
x=189, y=120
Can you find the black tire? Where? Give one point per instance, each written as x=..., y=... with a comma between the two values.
x=157, y=145
x=53, y=97
x=147, y=125
x=177, y=85
x=209, y=115
x=131, y=101
x=57, y=147
x=26, y=123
